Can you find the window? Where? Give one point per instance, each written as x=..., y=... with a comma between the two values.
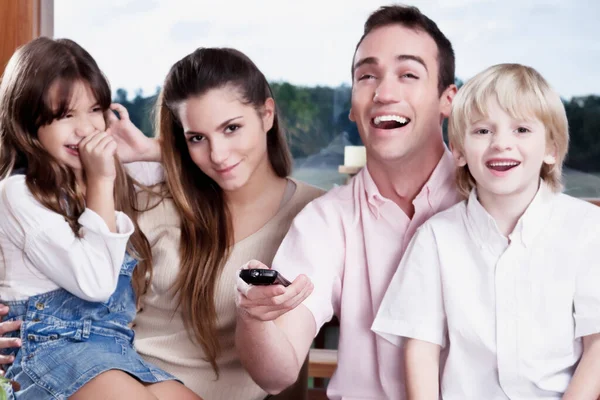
x=305, y=49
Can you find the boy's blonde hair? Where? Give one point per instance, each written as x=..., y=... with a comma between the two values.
x=522, y=93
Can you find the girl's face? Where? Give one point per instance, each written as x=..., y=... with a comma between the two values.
x=226, y=138
x=505, y=155
x=61, y=137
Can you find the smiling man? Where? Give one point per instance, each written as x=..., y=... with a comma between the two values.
x=344, y=247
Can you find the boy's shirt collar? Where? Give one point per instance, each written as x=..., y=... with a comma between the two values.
x=531, y=223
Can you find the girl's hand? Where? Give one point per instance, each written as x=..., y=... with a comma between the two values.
x=133, y=145
x=97, y=153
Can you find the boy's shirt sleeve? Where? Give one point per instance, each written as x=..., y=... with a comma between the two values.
x=587, y=287
x=413, y=304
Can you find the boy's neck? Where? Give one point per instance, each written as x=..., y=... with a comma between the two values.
x=507, y=209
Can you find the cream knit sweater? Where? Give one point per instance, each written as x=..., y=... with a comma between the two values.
x=161, y=337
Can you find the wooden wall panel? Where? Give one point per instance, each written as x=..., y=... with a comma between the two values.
x=19, y=23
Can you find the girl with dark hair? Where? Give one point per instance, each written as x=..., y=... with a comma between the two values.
x=71, y=265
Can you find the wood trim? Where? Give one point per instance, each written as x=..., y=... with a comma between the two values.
x=20, y=22
x=322, y=363
x=595, y=201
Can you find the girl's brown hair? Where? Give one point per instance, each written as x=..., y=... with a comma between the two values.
x=206, y=231
x=26, y=105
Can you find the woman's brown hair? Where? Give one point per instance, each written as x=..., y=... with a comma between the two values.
x=206, y=231
x=26, y=105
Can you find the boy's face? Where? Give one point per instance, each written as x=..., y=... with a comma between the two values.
x=395, y=100
x=505, y=155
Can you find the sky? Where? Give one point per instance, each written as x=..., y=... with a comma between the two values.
x=311, y=42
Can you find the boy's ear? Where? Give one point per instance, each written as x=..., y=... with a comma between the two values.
x=551, y=152
x=459, y=158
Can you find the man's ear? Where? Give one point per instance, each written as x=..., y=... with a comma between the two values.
x=446, y=100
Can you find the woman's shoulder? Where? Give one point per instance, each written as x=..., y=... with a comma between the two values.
x=306, y=192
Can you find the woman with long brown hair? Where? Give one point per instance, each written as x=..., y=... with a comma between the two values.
x=227, y=167
x=68, y=239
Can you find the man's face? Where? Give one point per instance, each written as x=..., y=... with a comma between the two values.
x=395, y=100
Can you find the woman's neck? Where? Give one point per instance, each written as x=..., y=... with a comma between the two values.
x=263, y=184
x=254, y=204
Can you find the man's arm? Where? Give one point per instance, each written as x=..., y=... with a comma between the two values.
x=422, y=365
x=586, y=381
x=273, y=351
x=277, y=324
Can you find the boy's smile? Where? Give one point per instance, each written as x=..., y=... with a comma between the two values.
x=505, y=154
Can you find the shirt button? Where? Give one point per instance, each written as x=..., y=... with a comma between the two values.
x=39, y=306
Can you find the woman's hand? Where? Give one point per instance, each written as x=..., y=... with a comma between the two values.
x=133, y=145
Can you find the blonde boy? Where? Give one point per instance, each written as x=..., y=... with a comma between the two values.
x=508, y=281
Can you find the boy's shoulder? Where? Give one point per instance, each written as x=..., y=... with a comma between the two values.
x=577, y=212
x=449, y=218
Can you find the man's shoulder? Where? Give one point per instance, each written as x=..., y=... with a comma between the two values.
x=336, y=200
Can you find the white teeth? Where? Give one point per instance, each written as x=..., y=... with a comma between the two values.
x=73, y=147
x=387, y=118
x=503, y=164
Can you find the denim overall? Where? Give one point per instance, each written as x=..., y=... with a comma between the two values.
x=67, y=341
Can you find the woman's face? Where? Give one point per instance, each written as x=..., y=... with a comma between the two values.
x=226, y=138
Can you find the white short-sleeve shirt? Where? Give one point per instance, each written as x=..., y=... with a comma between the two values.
x=512, y=312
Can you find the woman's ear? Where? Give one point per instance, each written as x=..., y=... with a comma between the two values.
x=268, y=114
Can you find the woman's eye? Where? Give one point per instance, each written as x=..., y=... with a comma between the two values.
x=196, y=139
x=232, y=128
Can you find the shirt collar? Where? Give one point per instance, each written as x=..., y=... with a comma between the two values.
x=439, y=184
x=528, y=226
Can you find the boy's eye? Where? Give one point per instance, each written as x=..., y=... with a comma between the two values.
x=522, y=129
x=482, y=131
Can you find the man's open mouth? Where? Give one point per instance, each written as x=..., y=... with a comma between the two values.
x=389, y=122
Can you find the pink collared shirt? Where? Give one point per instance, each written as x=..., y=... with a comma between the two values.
x=350, y=242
